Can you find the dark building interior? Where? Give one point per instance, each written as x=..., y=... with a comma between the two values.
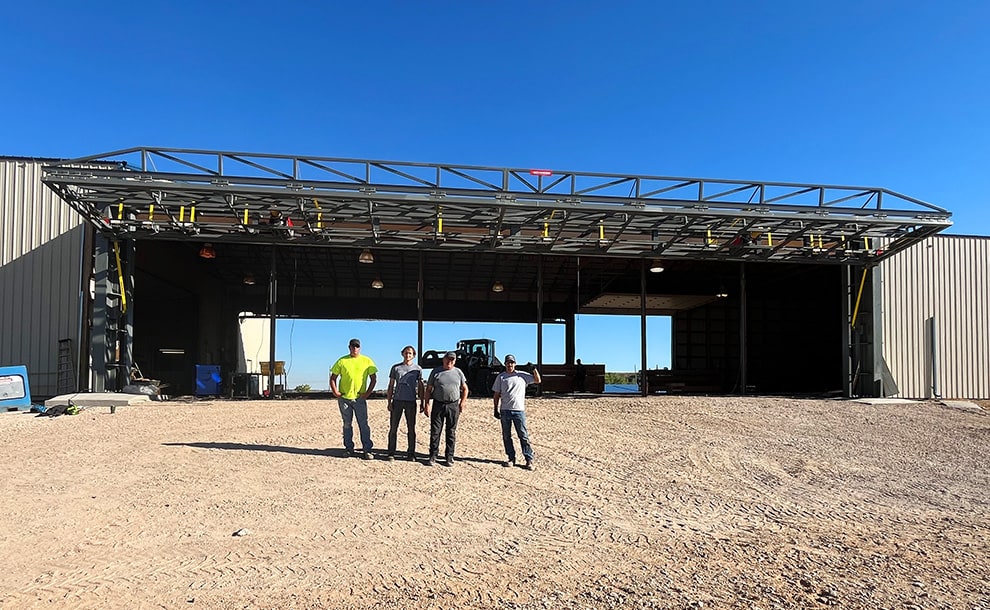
x=188, y=304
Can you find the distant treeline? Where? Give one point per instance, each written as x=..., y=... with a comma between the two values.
x=611, y=378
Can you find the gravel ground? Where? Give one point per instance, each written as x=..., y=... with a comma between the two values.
x=664, y=502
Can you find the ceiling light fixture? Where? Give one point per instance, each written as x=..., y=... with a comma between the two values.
x=207, y=251
x=377, y=283
x=248, y=279
x=366, y=257
x=497, y=286
x=722, y=292
x=656, y=266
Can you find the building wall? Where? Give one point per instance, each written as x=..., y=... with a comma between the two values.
x=41, y=262
x=946, y=279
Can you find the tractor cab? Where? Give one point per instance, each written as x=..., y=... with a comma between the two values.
x=476, y=357
x=477, y=353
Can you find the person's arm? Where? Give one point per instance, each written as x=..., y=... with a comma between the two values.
x=389, y=392
x=536, y=376
x=464, y=395
x=496, y=397
x=333, y=385
x=372, y=380
x=425, y=408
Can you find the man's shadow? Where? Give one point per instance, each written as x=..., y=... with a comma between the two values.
x=341, y=453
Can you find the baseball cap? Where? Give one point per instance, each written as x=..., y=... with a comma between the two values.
x=510, y=358
x=354, y=343
x=451, y=355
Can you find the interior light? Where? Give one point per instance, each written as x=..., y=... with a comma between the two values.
x=656, y=266
x=497, y=286
x=249, y=279
x=722, y=292
x=377, y=283
x=207, y=251
x=366, y=257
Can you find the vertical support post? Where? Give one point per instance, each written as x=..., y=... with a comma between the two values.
x=876, y=338
x=539, y=310
x=845, y=305
x=420, y=302
x=644, y=382
x=272, y=301
x=99, y=347
x=743, y=331
x=129, y=246
x=569, y=335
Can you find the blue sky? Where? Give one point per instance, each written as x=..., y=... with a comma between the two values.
x=874, y=93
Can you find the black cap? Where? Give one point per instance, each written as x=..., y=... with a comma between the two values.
x=450, y=356
x=354, y=343
x=510, y=358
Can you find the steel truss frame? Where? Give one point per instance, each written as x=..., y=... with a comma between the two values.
x=216, y=196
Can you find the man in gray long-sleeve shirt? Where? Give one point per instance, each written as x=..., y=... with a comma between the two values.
x=448, y=389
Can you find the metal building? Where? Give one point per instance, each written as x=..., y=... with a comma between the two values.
x=771, y=287
x=936, y=317
x=44, y=263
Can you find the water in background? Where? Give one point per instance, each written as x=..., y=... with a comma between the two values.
x=621, y=388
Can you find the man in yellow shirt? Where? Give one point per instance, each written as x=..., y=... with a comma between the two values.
x=352, y=379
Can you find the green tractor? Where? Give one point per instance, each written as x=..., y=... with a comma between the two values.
x=476, y=357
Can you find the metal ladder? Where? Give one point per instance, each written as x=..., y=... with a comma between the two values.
x=66, y=379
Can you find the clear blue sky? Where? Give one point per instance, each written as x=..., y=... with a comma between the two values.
x=876, y=93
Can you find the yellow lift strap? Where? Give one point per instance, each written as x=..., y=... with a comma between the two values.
x=859, y=295
x=120, y=279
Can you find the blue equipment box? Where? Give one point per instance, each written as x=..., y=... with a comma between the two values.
x=207, y=380
x=15, y=391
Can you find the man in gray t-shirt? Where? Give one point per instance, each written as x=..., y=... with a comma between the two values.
x=405, y=387
x=509, y=391
x=448, y=389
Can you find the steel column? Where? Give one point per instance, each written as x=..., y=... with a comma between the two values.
x=272, y=301
x=743, y=330
x=644, y=385
x=419, y=307
x=99, y=347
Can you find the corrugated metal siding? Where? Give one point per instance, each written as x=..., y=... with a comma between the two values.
x=946, y=277
x=41, y=241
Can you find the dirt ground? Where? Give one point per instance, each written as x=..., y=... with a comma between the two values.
x=634, y=503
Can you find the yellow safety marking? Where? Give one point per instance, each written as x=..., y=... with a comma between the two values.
x=546, y=229
x=245, y=215
x=151, y=212
x=769, y=239
x=120, y=211
x=192, y=214
x=182, y=213
x=859, y=295
x=120, y=279
x=601, y=231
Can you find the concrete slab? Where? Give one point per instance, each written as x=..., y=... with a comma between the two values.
x=885, y=401
x=965, y=405
x=98, y=399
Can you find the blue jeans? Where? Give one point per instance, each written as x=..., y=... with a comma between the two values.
x=517, y=418
x=349, y=409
